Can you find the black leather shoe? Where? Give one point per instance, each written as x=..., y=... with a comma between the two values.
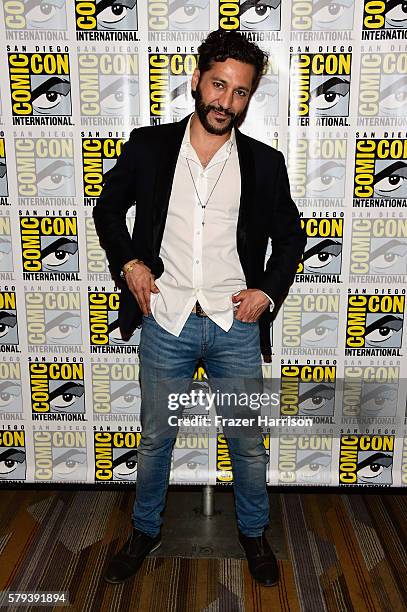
x=129, y=559
x=262, y=562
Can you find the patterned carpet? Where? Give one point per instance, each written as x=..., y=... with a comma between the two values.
x=345, y=553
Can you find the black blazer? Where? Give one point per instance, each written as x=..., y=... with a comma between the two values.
x=143, y=175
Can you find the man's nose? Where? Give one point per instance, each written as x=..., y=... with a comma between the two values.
x=225, y=99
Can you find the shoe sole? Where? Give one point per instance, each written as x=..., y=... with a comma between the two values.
x=270, y=584
x=132, y=576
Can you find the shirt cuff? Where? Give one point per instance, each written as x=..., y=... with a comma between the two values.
x=271, y=301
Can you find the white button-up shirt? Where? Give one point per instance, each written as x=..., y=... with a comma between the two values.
x=201, y=261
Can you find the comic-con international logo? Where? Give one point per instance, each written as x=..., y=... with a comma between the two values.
x=317, y=170
x=321, y=16
x=177, y=15
x=374, y=324
x=170, y=86
x=384, y=20
x=308, y=390
x=8, y=322
x=40, y=88
x=115, y=391
x=57, y=391
x=378, y=250
x=116, y=455
x=380, y=172
x=106, y=20
x=45, y=170
x=3, y=172
x=190, y=459
x=224, y=473
x=36, y=16
x=60, y=455
x=370, y=394
x=304, y=459
x=310, y=324
x=383, y=89
x=49, y=247
x=11, y=405
x=54, y=320
x=322, y=258
x=104, y=329
x=6, y=247
x=252, y=17
x=366, y=460
x=99, y=155
x=319, y=88
x=109, y=88
x=12, y=455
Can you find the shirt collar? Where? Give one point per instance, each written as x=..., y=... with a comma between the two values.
x=188, y=150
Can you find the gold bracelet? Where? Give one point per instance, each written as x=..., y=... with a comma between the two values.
x=128, y=267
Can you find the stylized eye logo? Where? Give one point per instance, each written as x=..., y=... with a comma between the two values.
x=10, y=459
x=58, y=253
x=321, y=255
x=373, y=466
x=66, y=395
x=321, y=329
x=126, y=397
x=391, y=180
x=316, y=399
x=112, y=12
x=396, y=14
x=383, y=329
x=54, y=177
x=48, y=95
x=255, y=12
x=327, y=94
x=8, y=320
x=125, y=465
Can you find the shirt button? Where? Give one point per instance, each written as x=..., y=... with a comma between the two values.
x=196, y=260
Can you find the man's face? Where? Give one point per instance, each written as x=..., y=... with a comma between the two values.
x=222, y=94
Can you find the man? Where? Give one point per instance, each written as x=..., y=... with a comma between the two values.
x=208, y=198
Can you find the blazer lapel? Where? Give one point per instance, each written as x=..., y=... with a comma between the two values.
x=247, y=189
x=164, y=179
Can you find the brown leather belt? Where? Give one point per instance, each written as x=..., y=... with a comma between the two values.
x=197, y=309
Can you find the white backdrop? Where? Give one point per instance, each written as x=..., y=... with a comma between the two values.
x=75, y=78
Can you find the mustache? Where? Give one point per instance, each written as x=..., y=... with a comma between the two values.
x=220, y=109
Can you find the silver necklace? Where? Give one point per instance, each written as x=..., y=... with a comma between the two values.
x=203, y=206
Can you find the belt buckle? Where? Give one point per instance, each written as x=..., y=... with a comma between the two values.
x=198, y=310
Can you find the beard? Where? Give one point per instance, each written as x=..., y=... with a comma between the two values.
x=203, y=110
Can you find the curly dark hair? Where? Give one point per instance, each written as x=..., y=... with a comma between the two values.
x=221, y=45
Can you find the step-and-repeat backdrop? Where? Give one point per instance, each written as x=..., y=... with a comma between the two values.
x=76, y=77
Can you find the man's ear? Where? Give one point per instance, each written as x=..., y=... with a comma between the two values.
x=195, y=79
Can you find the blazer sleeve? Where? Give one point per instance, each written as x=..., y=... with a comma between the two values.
x=288, y=240
x=109, y=214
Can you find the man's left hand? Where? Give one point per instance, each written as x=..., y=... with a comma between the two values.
x=252, y=303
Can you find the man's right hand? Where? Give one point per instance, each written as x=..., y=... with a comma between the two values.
x=141, y=283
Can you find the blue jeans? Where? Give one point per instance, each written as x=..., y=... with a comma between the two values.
x=164, y=357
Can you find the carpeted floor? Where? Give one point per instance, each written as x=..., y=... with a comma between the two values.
x=344, y=553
